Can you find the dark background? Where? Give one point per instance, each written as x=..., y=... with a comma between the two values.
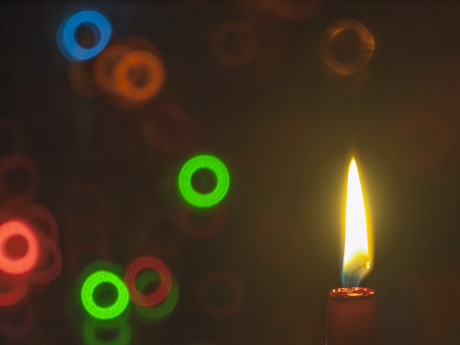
x=286, y=126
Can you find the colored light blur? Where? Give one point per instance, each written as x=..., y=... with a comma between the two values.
x=27, y=192
x=108, y=57
x=45, y=272
x=365, y=49
x=148, y=67
x=187, y=190
x=17, y=289
x=42, y=220
x=67, y=42
x=87, y=297
x=26, y=262
x=241, y=49
x=161, y=311
x=92, y=329
x=158, y=296
x=11, y=328
x=224, y=311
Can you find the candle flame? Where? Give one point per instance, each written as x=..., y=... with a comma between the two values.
x=356, y=258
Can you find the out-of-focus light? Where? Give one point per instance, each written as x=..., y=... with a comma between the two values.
x=94, y=330
x=13, y=263
x=82, y=80
x=161, y=311
x=42, y=220
x=17, y=289
x=356, y=55
x=87, y=295
x=67, y=41
x=203, y=162
x=139, y=75
x=45, y=272
x=159, y=295
x=232, y=307
x=109, y=57
x=215, y=220
x=235, y=43
x=19, y=180
x=11, y=327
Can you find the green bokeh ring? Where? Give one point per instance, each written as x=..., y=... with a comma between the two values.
x=91, y=338
x=185, y=181
x=162, y=310
x=87, y=290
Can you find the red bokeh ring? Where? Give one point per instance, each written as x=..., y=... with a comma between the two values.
x=26, y=263
x=24, y=162
x=17, y=292
x=16, y=331
x=32, y=212
x=221, y=312
x=202, y=232
x=146, y=262
x=222, y=53
x=48, y=275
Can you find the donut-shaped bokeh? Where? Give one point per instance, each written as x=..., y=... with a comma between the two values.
x=67, y=41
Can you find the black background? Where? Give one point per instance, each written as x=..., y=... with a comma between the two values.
x=286, y=126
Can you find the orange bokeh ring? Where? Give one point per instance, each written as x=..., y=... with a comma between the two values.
x=160, y=294
x=155, y=82
x=103, y=75
x=17, y=291
x=16, y=227
x=204, y=298
x=367, y=47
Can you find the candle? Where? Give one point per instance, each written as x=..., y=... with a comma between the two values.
x=351, y=310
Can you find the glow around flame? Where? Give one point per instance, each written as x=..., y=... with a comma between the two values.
x=356, y=258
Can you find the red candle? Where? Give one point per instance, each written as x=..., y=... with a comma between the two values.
x=351, y=311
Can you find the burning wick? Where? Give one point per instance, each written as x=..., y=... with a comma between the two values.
x=351, y=310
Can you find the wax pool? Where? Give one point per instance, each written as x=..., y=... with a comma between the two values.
x=351, y=317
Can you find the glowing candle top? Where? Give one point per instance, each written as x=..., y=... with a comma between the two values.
x=356, y=256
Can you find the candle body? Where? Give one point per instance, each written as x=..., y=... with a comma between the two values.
x=351, y=317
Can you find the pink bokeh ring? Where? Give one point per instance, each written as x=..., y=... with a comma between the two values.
x=26, y=263
x=160, y=294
